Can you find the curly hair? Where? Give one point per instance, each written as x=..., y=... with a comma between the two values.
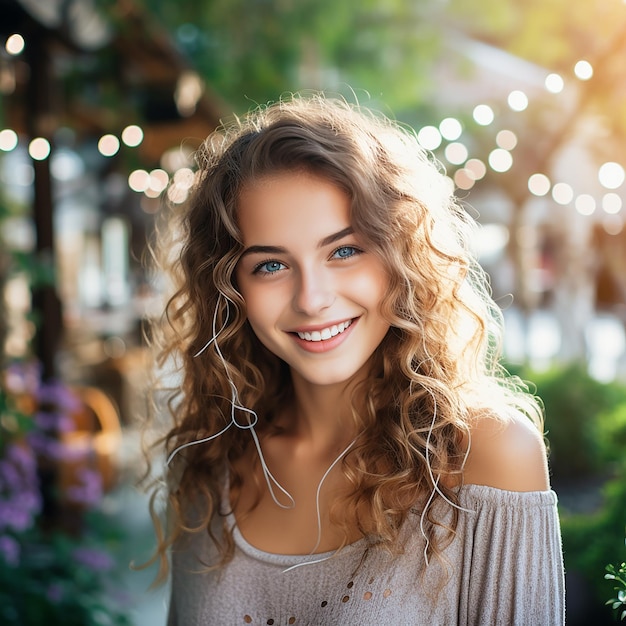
x=435, y=371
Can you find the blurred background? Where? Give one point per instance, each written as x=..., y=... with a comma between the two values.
x=103, y=103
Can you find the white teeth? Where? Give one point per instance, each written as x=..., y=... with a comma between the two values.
x=326, y=333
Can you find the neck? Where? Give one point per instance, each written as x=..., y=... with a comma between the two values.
x=322, y=415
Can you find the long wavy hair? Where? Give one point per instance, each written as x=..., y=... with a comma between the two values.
x=435, y=371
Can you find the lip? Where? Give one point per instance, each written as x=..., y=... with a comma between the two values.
x=325, y=344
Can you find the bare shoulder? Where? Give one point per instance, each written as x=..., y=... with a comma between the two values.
x=506, y=452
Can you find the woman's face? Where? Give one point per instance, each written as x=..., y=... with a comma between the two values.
x=312, y=289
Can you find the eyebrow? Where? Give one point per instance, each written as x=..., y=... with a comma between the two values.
x=326, y=241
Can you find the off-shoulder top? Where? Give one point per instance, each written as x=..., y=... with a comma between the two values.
x=504, y=567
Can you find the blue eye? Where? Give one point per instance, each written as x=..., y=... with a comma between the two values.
x=345, y=252
x=268, y=267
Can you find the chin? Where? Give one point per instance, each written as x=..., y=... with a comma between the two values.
x=328, y=377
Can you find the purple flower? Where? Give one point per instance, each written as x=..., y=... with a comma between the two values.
x=58, y=395
x=93, y=559
x=89, y=492
x=54, y=593
x=22, y=457
x=9, y=476
x=20, y=499
x=19, y=513
x=10, y=550
x=46, y=446
x=22, y=378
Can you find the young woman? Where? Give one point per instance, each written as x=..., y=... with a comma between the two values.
x=345, y=448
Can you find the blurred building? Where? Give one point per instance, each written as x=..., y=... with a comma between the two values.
x=526, y=159
x=100, y=113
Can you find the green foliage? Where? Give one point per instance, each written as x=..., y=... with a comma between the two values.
x=618, y=574
x=612, y=433
x=252, y=51
x=589, y=541
x=586, y=430
x=585, y=420
x=59, y=580
x=55, y=540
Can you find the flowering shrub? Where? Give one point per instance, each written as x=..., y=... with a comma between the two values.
x=51, y=572
x=618, y=575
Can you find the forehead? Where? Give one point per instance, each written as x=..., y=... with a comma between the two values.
x=291, y=206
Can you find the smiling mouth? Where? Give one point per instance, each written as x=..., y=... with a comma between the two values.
x=325, y=333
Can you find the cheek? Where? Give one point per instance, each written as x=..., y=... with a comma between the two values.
x=371, y=287
x=260, y=309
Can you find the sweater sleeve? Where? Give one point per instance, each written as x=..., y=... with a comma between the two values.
x=512, y=558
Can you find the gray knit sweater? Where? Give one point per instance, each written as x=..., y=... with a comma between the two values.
x=505, y=569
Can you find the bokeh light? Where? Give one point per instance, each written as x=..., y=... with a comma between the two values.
x=177, y=194
x=585, y=204
x=518, y=100
x=456, y=153
x=554, y=83
x=39, y=148
x=539, y=184
x=612, y=203
x=159, y=180
x=132, y=136
x=108, y=145
x=476, y=169
x=184, y=178
x=8, y=140
x=14, y=44
x=583, y=70
x=611, y=175
x=429, y=137
x=500, y=160
x=139, y=180
x=450, y=128
x=463, y=179
x=562, y=193
x=506, y=139
x=483, y=114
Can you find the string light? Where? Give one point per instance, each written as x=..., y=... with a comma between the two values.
x=611, y=203
x=177, y=194
x=429, y=137
x=14, y=44
x=476, y=169
x=463, y=179
x=108, y=145
x=585, y=204
x=139, y=180
x=184, y=178
x=562, y=193
x=456, y=153
x=132, y=136
x=611, y=175
x=39, y=148
x=583, y=70
x=518, y=100
x=483, y=114
x=450, y=128
x=159, y=180
x=8, y=140
x=554, y=83
x=539, y=184
x=506, y=139
x=500, y=160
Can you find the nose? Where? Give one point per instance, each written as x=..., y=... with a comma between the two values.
x=314, y=292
